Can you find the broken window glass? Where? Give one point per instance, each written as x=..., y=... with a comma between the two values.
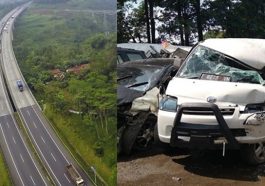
x=205, y=60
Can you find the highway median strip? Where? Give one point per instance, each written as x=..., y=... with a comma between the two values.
x=32, y=148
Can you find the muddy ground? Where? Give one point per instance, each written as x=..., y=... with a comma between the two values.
x=163, y=166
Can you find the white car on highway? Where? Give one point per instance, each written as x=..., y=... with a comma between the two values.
x=217, y=99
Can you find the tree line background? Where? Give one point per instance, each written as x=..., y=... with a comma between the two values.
x=185, y=22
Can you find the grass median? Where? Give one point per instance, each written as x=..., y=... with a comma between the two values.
x=5, y=179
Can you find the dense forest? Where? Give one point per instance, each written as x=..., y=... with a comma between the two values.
x=187, y=21
x=68, y=60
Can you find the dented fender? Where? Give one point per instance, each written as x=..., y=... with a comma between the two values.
x=148, y=102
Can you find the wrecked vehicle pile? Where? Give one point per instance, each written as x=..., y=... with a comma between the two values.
x=152, y=50
x=138, y=95
x=216, y=99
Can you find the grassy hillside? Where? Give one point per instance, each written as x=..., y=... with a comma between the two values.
x=46, y=39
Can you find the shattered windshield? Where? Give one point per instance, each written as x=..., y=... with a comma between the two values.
x=204, y=60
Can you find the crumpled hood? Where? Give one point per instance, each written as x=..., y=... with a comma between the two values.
x=192, y=90
x=127, y=95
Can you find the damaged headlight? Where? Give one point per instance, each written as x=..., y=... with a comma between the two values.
x=252, y=108
x=257, y=116
x=168, y=104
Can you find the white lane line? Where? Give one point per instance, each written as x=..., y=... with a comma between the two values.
x=11, y=156
x=21, y=157
x=34, y=124
x=27, y=150
x=32, y=180
x=28, y=113
x=50, y=135
x=7, y=125
x=53, y=157
x=66, y=177
x=43, y=140
x=14, y=140
x=40, y=149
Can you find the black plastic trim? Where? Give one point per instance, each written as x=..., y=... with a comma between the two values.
x=221, y=129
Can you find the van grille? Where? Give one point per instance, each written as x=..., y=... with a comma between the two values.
x=224, y=111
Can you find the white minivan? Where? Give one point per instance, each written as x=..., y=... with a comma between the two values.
x=217, y=99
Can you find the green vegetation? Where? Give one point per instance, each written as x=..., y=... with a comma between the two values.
x=81, y=105
x=5, y=179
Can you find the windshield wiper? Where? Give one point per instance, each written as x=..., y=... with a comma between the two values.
x=124, y=77
x=194, y=77
x=138, y=84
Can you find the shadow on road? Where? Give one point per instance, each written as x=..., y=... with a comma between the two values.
x=213, y=164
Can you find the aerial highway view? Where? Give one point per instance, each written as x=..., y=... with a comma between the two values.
x=190, y=99
x=48, y=161
x=22, y=166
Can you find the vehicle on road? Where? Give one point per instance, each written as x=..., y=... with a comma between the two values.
x=138, y=97
x=20, y=85
x=74, y=175
x=216, y=100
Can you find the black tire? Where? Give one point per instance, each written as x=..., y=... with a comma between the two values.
x=119, y=139
x=128, y=138
x=132, y=137
x=253, y=154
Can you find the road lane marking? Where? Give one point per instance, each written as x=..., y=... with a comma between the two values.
x=34, y=124
x=13, y=119
x=21, y=157
x=53, y=157
x=14, y=140
x=28, y=113
x=43, y=139
x=50, y=135
x=40, y=149
x=66, y=177
x=7, y=125
x=11, y=156
x=32, y=180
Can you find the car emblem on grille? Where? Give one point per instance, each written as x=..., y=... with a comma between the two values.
x=211, y=99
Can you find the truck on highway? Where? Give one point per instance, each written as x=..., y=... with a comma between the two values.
x=74, y=175
x=20, y=85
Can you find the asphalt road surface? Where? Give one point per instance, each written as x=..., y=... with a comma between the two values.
x=21, y=165
x=52, y=153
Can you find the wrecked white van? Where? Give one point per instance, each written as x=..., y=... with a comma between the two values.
x=217, y=99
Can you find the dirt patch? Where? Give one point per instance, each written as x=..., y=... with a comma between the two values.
x=167, y=167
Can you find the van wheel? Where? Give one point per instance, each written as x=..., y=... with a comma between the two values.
x=254, y=153
x=119, y=139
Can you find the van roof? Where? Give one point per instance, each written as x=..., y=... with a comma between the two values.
x=248, y=51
